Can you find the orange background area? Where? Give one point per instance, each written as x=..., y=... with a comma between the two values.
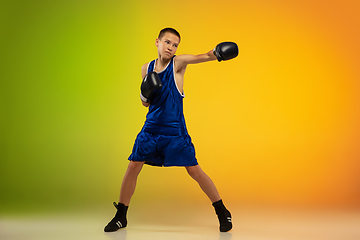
x=279, y=124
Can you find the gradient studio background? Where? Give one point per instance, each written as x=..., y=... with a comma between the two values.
x=279, y=125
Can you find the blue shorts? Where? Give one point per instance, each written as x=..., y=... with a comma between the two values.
x=164, y=150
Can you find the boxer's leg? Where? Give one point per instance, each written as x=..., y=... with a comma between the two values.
x=208, y=186
x=127, y=190
x=205, y=183
x=129, y=182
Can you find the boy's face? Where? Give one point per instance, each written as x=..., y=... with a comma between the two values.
x=167, y=45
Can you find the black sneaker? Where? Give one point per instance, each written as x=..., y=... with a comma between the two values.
x=224, y=216
x=119, y=221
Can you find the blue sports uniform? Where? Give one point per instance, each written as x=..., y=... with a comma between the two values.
x=164, y=140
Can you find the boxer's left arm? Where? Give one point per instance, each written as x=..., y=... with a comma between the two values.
x=223, y=51
x=182, y=60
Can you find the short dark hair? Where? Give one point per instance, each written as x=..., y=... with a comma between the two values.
x=170, y=30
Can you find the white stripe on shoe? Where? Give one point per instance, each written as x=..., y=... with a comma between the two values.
x=119, y=224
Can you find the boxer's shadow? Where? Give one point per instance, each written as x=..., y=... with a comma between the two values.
x=225, y=236
x=118, y=235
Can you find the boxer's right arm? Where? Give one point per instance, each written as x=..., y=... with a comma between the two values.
x=150, y=83
x=143, y=74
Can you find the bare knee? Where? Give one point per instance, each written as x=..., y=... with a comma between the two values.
x=195, y=172
x=135, y=167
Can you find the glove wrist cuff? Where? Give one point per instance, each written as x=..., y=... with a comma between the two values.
x=144, y=99
x=218, y=57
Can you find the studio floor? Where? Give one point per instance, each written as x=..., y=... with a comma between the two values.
x=249, y=224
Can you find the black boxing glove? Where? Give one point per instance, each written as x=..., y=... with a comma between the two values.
x=150, y=83
x=226, y=51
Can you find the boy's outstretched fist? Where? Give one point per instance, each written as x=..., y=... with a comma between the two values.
x=226, y=51
x=150, y=83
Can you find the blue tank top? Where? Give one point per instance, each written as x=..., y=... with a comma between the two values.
x=166, y=116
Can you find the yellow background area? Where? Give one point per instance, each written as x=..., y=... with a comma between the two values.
x=278, y=125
